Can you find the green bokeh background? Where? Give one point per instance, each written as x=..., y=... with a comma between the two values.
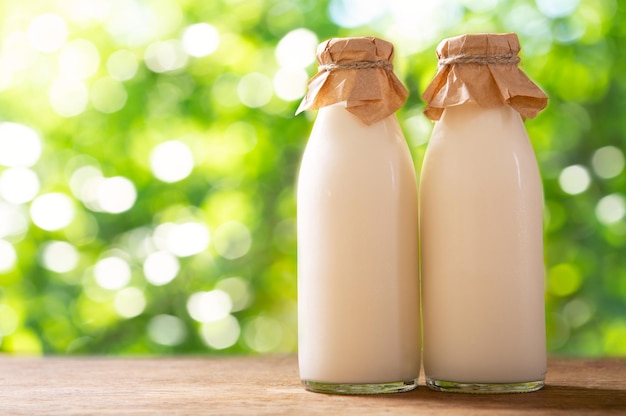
x=246, y=145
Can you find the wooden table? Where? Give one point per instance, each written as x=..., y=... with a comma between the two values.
x=270, y=386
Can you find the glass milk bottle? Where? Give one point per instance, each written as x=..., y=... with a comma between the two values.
x=358, y=289
x=481, y=223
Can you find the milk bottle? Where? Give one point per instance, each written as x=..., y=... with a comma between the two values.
x=358, y=291
x=481, y=223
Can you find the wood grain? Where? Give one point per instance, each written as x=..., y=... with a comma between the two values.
x=270, y=386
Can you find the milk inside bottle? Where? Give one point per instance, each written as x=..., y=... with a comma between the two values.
x=481, y=223
x=358, y=291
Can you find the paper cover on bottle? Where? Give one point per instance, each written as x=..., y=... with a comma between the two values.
x=358, y=71
x=482, y=69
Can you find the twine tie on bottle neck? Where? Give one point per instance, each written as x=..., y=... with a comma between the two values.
x=387, y=66
x=495, y=59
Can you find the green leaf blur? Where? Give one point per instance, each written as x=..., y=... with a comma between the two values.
x=149, y=150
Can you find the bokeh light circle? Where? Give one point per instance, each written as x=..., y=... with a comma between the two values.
x=20, y=146
x=68, y=97
x=122, y=65
x=239, y=291
x=52, y=211
x=108, y=95
x=79, y=59
x=209, y=306
x=167, y=330
x=18, y=185
x=187, y=239
x=296, y=50
x=112, y=273
x=200, y=39
x=574, y=179
x=255, y=90
x=165, y=56
x=8, y=256
x=232, y=240
x=608, y=162
x=171, y=161
x=129, y=302
x=263, y=334
x=160, y=268
x=290, y=83
x=47, y=32
x=222, y=333
x=116, y=195
x=13, y=220
x=59, y=256
x=611, y=208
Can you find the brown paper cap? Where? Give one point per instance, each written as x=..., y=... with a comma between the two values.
x=371, y=94
x=488, y=84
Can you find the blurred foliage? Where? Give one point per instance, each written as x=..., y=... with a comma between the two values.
x=148, y=155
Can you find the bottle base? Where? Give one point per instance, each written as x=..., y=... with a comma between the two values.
x=349, y=388
x=484, y=388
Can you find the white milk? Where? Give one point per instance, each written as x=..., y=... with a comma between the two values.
x=358, y=292
x=482, y=250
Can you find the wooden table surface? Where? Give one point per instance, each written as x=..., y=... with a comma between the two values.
x=270, y=386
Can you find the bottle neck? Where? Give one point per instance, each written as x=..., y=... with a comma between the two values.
x=472, y=110
x=339, y=111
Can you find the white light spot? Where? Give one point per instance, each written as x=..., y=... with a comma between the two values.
x=239, y=291
x=108, y=95
x=86, y=11
x=78, y=59
x=13, y=221
x=160, y=268
x=47, y=33
x=138, y=242
x=59, y=257
x=131, y=22
x=112, y=273
x=116, y=195
x=171, y=161
x=122, y=65
x=167, y=330
x=209, y=306
x=290, y=84
x=68, y=97
x=165, y=56
x=232, y=240
x=184, y=240
x=608, y=162
x=85, y=183
x=296, y=50
x=129, y=302
x=419, y=129
x=221, y=334
x=413, y=22
x=353, y=13
x=52, y=211
x=16, y=54
x=556, y=8
x=200, y=39
x=263, y=334
x=611, y=209
x=577, y=313
x=532, y=26
x=8, y=256
x=254, y=90
x=18, y=185
x=20, y=146
x=574, y=179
